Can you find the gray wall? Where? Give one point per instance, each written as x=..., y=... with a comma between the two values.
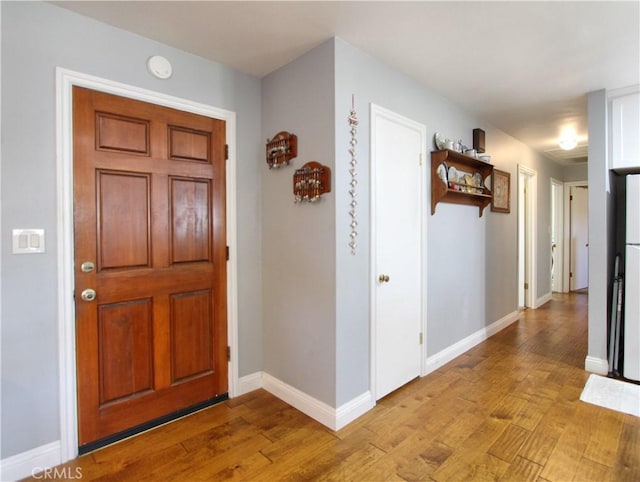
x=600, y=228
x=508, y=154
x=471, y=261
x=298, y=248
x=304, y=299
x=576, y=172
x=36, y=38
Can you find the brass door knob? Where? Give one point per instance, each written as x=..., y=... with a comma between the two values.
x=383, y=278
x=88, y=295
x=87, y=267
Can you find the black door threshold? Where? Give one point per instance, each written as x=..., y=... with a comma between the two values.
x=103, y=442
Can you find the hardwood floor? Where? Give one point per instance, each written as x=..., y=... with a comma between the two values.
x=507, y=410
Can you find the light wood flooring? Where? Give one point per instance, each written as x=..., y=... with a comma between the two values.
x=508, y=409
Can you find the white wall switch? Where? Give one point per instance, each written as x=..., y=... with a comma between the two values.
x=28, y=241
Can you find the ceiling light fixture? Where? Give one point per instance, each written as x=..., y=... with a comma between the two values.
x=568, y=142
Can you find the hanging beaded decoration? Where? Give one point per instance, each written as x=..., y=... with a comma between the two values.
x=353, y=125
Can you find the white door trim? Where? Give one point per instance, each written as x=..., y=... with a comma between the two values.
x=566, y=267
x=65, y=80
x=531, y=233
x=376, y=113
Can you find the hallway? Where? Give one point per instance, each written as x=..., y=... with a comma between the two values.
x=508, y=409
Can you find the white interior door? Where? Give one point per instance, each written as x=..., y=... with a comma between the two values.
x=398, y=224
x=522, y=223
x=579, y=276
x=556, y=235
x=527, y=234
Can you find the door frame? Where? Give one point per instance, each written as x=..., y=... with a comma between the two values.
x=530, y=233
x=566, y=269
x=65, y=81
x=377, y=112
x=559, y=215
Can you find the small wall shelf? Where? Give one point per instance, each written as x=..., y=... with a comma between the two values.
x=281, y=149
x=311, y=181
x=459, y=191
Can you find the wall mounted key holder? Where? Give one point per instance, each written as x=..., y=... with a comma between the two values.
x=311, y=181
x=281, y=149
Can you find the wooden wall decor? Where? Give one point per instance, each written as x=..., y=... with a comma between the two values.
x=311, y=181
x=459, y=179
x=281, y=149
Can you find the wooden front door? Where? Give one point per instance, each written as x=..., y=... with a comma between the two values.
x=149, y=227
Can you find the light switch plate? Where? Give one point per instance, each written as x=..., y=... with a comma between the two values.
x=28, y=241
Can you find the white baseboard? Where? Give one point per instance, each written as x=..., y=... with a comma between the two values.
x=596, y=365
x=249, y=383
x=30, y=462
x=308, y=405
x=347, y=413
x=542, y=300
x=445, y=356
x=328, y=416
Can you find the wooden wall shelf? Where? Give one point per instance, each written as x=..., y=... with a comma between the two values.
x=459, y=192
x=281, y=149
x=311, y=181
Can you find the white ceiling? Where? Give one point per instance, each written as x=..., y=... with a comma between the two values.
x=524, y=67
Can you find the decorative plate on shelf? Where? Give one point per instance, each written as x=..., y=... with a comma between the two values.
x=477, y=180
x=453, y=177
x=442, y=172
x=439, y=140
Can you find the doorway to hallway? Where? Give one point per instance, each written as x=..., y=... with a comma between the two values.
x=527, y=229
x=557, y=234
x=579, y=239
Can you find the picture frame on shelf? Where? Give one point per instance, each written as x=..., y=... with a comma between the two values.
x=501, y=187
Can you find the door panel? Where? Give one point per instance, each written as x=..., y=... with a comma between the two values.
x=125, y=349
x=190, y=350
x=122, y=134
x=189, y=144
x=190, y=220
x=149, y=211
x=123, y=213
x=399, y=213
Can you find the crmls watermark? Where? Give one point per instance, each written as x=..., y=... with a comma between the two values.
x=57, y=473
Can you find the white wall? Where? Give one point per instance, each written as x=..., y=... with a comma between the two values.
x=37, y=38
